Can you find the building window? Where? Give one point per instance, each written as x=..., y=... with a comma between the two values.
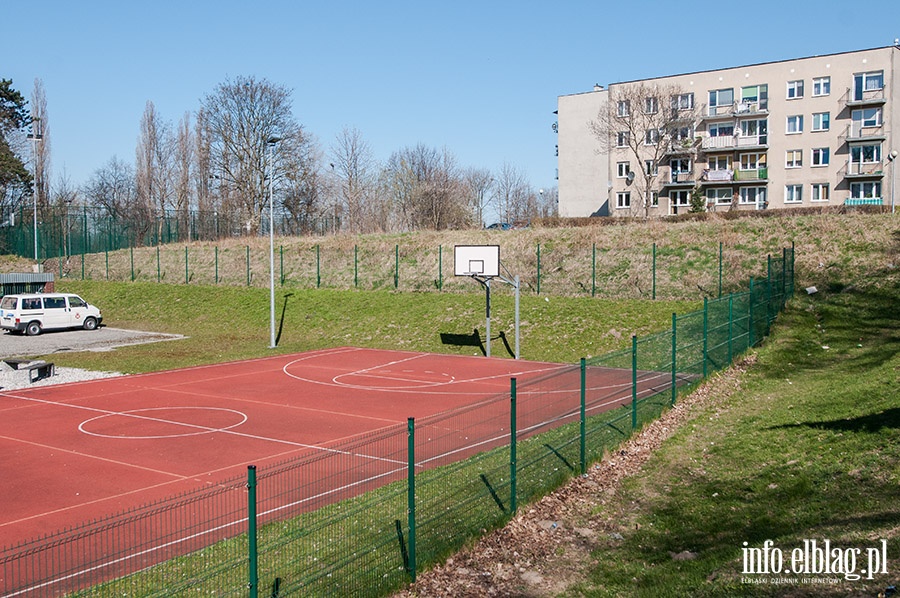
x=650, y=168
x=719, y=162
x=680, y=198
x=753, y=98
x=753, y=195
x=684, y=101
x=793, y=159
x=865, y=190
x=623, y=108
x=820, y=192
x=794, y=124
x=654, y=199
x=682, y=134
x=865, y=154
x=868, y=81
x=651, y=137
x=753, y=161
x=622, y=138
x=680, y=165
x=793, y=193
x=622, y=169
x=651, y=105
x=867, y=117
x=623, y=200
x=757, y=129
x=820, y=156
x=794, y=89
x=719, y=99
x=821, y=121
x=821, y=86
x=719, y=196
x=721, y=129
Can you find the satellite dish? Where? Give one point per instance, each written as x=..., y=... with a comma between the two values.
x=630, y=176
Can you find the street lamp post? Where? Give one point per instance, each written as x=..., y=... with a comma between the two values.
x=271, y=142
x=891, y=157
x=35, y=137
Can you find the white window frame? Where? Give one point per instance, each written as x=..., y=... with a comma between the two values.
x=651, y=137
x=793, y=194
x=622, y=138
x=793, y=158
x=759, y=193
x=654, y=199
x=623, y=200
x=795, y=122
x=795, y=89
x=622, y=169
x=755, y=161
x=651, y=168
x=821, y=86
x=819, y=192
x=861, y=151
x=680, y=198
x=858, y=189
x=875, y=77
x=683, y=101
x=721, y=129
x=651, y=105
x=821, y=121
x=859, y=116
x=719, y=162
x=714, y=99
x=719, y=195
x=623, y=108
x=820, y=156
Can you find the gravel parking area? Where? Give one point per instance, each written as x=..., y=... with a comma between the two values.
x=20, y=347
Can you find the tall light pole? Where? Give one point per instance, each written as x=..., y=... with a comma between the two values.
x=891, y=157
x=271, y=142
x=35, y=136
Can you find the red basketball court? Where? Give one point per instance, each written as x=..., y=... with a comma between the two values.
x=75, y=452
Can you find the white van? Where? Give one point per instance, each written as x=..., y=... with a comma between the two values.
x=33, y=313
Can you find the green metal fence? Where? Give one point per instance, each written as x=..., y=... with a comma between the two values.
x=362, y=518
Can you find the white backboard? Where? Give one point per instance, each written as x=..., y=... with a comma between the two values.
x=480, y=260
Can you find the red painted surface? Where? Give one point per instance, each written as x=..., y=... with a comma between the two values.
x=75, y=452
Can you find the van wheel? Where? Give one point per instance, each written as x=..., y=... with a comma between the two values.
x=33, y=328
x=90, y=324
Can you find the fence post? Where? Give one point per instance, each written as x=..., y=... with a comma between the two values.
x=411, y=494
x=720, y=269
x=318, y=266
x=582, y=417
x=107, y=263
x=654, y=271
x=251, y=531
x=705, y=334
x=186, y=276
x=512, y=446
x=356, y=266
x=674, y=356
x=633, y=381
x=281, y=265
x=132, y=262
x=768, y=293
x=396, y=266
x=216, y=259
x=730, y=328
x=158, y=266
x=440, y=268
x=783, y=278
x=593, y=270
x=538, y=268
x=248, y=265
x=750, y=326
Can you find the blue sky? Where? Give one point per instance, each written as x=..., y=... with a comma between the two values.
x=478, y=78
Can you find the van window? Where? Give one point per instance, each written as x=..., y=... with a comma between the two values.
x=8, y=302
x=76, y=301
x=54, y=302
x=31, y=303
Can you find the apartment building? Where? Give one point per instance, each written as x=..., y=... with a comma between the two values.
x=814, y=131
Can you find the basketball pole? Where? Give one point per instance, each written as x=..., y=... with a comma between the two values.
x=487, y=305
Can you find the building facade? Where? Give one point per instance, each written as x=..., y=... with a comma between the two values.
x=814, y=131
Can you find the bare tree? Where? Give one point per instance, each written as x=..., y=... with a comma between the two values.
x=427, y=188
x=153, y=182
x=477, y=183
x=66, y=197
x=513, y=195
x=112, y=188
x=647, y=124
x=354, y=168
x=40, y=128
x=548, y=203
x=182, y=171
x=242, y=117
x=302, y=187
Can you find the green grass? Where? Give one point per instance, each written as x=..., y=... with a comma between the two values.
x=808, y=449
x=232, y=323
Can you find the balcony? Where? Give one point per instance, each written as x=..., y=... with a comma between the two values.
x=717, y=176
x=757, y=108
x=862, y=170
x=751, y=176
x=867, y=97
x=857, y=132
x=679, y=179
x=725, y=112
x=681, y=146
x=733, y=143
x=864, y=201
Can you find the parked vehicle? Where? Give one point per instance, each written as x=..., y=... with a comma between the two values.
x=34, y=313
